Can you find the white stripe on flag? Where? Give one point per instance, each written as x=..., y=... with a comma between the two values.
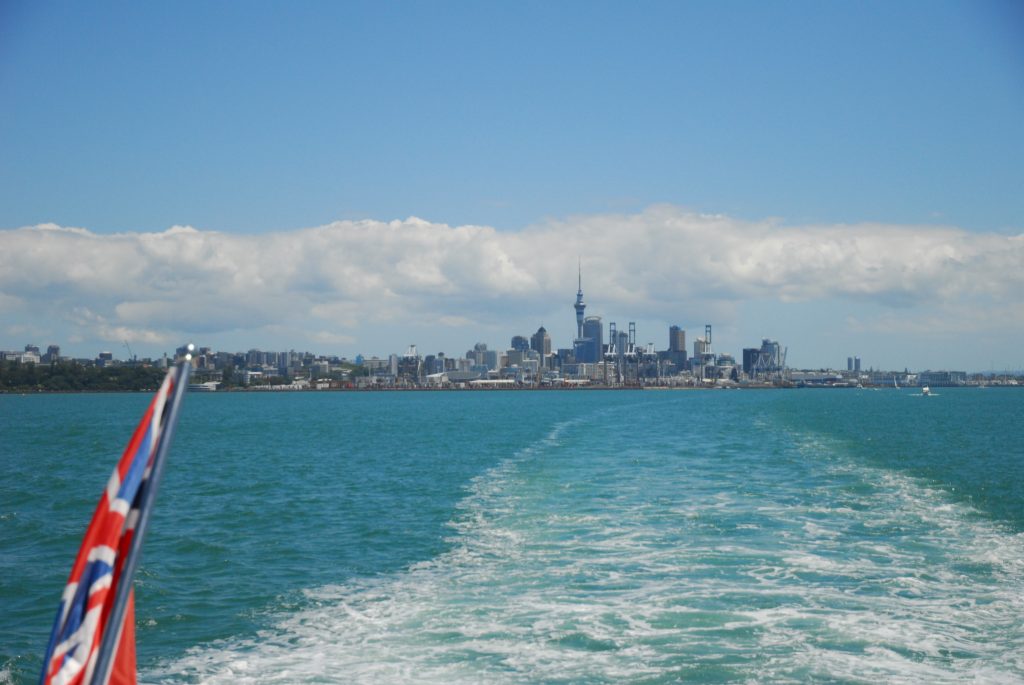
x=113, y=485
x=102, y=583
x=65, y=600
x=120, y=506
x=80, y=644
x=103, y=553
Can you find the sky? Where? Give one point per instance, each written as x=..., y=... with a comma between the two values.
x=846, y=178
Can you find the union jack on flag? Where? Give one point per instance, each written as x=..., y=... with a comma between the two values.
x=93, y=638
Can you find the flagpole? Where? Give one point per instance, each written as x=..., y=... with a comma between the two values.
x=112, y=636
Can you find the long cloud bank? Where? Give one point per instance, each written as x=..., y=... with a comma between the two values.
x=333, y=279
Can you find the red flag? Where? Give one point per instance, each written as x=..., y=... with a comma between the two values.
x=100, y=582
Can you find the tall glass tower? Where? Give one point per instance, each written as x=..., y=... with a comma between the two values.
x=592, y=345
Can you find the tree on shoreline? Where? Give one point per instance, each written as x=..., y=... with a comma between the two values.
x=73, y=377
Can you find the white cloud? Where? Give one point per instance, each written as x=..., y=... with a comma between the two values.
x=330, y=338
x=104, y=330
x=455, y=321
x=346, y=277
x=10, y=303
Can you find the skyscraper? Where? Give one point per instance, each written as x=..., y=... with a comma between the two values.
x=541, y=342
x=701, y=348
x=750, y=355
x=591, y=345
x=676, y=339
x=677, y=346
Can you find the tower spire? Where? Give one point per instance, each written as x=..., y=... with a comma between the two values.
x=579, y=306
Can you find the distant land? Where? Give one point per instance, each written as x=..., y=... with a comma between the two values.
x=527, y=364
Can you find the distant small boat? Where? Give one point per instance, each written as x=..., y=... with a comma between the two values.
x=926, y=391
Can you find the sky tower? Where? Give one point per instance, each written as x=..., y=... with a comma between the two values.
x=579, y=306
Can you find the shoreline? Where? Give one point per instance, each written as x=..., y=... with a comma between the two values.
x=588, y=388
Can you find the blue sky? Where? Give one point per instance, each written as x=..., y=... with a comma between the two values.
x=257, y=119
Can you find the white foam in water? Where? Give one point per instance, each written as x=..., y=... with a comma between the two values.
x=861, y=576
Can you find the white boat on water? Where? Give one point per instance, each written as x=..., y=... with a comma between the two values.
x=926, y=391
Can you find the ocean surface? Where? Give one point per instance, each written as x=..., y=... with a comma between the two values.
x=542, y=537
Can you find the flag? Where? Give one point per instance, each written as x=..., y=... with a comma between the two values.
x=93, y=637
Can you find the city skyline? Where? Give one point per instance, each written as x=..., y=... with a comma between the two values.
x=355, y=178
x=141, y=287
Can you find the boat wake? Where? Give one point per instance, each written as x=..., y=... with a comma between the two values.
x=582, y=560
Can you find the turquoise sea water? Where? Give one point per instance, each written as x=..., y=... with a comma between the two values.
x=542, y=537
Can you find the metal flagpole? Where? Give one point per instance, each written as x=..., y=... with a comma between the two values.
x=112, y=638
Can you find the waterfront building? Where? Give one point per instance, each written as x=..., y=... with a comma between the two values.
x=676, y=339
x=590, y=348
x=703, y=362
x=942, y=378
x=677, y=346
x=30, y=355
x=433, y=365
x=520, y=343
x=20, y=357
x=540, y=342
x=477, y=353
x=750, y=360
x=410, y=366
x=770, y=360
x=622, y=346
x=701, y=347
x=249, y=376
